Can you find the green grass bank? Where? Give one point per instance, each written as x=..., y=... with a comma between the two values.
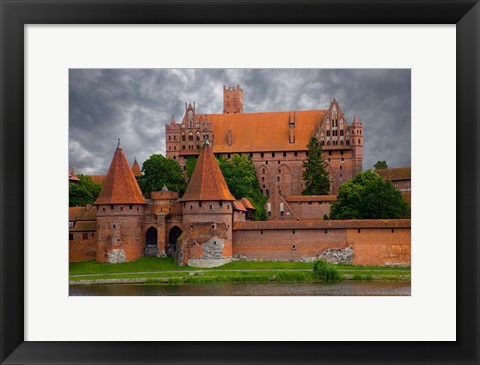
x=165, y=271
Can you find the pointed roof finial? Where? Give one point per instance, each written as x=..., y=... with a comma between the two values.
x=206, y=142
x=118, y=145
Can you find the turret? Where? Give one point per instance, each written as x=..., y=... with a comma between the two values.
x=232, y=100
x=120, y=213
x=207, y=215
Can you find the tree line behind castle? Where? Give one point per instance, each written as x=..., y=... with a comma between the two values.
x=366, y=196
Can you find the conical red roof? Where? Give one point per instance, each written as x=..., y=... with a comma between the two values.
x=136, y=169
x=207, y=181
x=120, y=185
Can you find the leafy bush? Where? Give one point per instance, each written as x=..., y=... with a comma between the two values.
x=326, y=272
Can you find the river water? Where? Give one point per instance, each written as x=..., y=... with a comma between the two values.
x=346, y=288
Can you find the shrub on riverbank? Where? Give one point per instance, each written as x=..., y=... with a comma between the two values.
x=326, y=272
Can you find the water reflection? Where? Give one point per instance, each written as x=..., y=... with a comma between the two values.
x=348, y=288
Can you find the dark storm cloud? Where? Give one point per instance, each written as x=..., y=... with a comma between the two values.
x=135, y=105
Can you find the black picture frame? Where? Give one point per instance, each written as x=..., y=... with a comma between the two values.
x=15, y=14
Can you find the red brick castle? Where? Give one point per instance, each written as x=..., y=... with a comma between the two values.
x=275, y=141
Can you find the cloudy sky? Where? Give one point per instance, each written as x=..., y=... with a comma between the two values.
x=135, y=105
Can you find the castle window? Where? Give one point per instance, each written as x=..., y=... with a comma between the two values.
x=174, y=138
x=266, y=162
x=121, y=209
x=279, y=171
x=213, y=226
x=183, y=137
x=348, y=142
x=103, y=208
x=295, y=153
x=263, y=171
x=293, y=246
x=70, y=224
x=114, y=226
x=211, y=206
x=268, y=192
x=198, y=146
x=359, y=230
x=200, y=204
x=261, y=232
x=85, y=236
x=93, y=234
x=343, y=158
x=341, y=167
x=293, y=232
x=341, y=142
x=261, y=154
x=70, y=236
x=191, y=207
x=322, y=143
x=184, y=167
x=111, y=206
x=228, y=156
x=273, y=154
x=282, y=213
x=269, y=214
x=329, y=153
x=393, y=231
x=183, y=147
x=278, y=178
x=358, y=141
x=278, y=162
x=190, y=136
x=251, y=155
x=138, y=209
x=221, y=203
x=340, y=175
x=326, y=231
x=263, y=179
x=328, y=133
x=198, y=136
x=341, y=132
x=228, y=206
x=174, y=157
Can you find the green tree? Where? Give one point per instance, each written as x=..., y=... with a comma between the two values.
x=158, y=171
x=315, y=175
x=191, y=162
x=380, y=165
x=380, y=200
x=367, y=196
x=84, y=192
x=241, y=178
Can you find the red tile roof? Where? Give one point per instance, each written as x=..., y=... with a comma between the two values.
x=395, y=174
x=237, y=204
x=136, y=169
x=207, y=181
x=99, y=179
x=120, y=186
x=269, y=131
x=323, y=224
x=311, y=198
x=82, y=213
x=247, y=203
x=72, y=177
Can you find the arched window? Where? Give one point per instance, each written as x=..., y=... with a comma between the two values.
x=359, y=141
x=190, y=137
x=328, y=143
x=198, y=136
x=183, y=137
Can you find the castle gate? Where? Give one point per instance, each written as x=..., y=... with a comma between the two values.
x=173, y=235
x=151, y=248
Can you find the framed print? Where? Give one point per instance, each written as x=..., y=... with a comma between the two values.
x=61, y=41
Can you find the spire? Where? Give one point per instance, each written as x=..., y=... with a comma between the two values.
x=136, y=168
x=207, y=181
x=120, y=185
x=118, y=145
x=164, y=189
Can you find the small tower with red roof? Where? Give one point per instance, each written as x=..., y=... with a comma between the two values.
x=136, y=169
x=207, y=207
x=120, y=214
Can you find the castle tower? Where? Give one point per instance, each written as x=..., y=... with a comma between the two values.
x=232, y=100
x=136, y=169
x=356, y=140
x=207, y=215
x=120, y=214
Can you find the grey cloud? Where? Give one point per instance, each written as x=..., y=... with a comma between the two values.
x=135, y=105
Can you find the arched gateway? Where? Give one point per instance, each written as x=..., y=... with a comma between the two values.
x=151, y=242
x=173, y=235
